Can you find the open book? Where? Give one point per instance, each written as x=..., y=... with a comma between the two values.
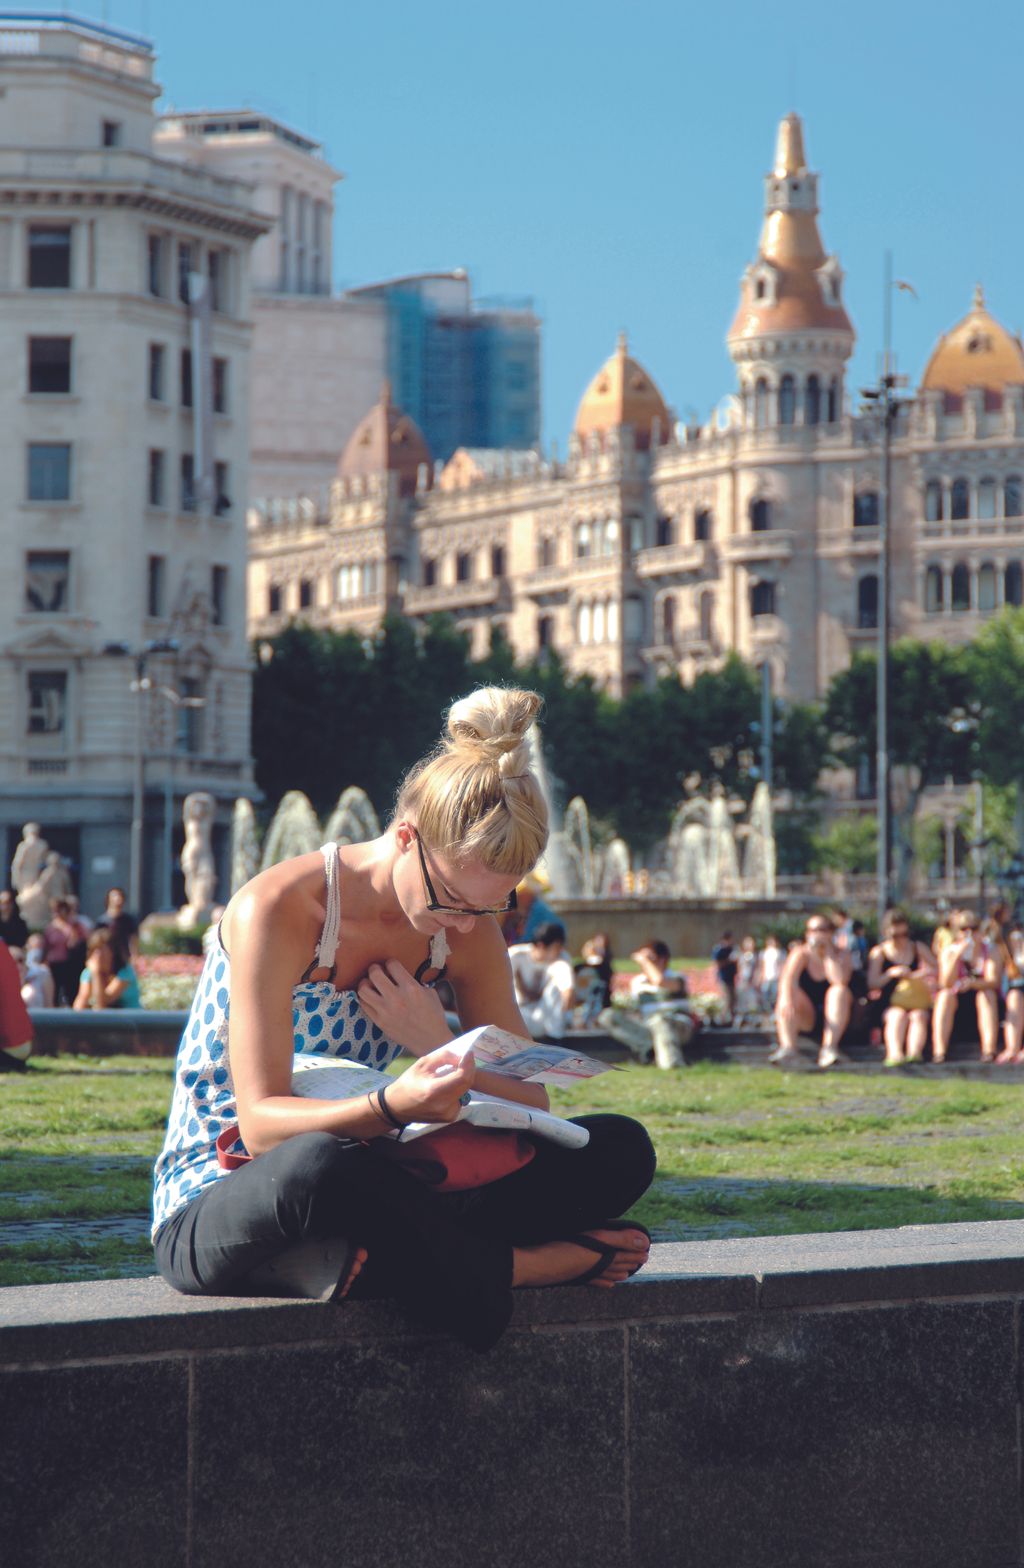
x=496, y=1050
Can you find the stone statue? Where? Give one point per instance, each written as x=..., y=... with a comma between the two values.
x=26, y=870
x=36, y=902
x=197, y=859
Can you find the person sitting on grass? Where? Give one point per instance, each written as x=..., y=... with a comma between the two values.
x=334, y=956
x=814, y=995
x=1013, y=975
x=15, y=1024
x=903, y=972
x=544, y=981
x=970, y=973
x=107, y=981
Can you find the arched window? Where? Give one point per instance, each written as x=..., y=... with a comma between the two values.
x=760, y=403
x=762, y=598
x=986, y=498
x=668, y=618
x=933, y=590
x=1012, y=493
x=787, y=401
x=760, y=516
x=598, y=624
x=865, y=509
x=611, y=620
x=1013, y=583
x=582, y=540
x=610, y=536
x=703, y=525
x=960, y=586
x=867, y=602
x=987, y=587
x=812, y=401
x=934, y=501
x=663, y=531
x=833, y=400
x=960, y=499
x=583, y=623
x=545, y=551
x=707, y=611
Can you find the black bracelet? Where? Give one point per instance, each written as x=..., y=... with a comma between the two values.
x=379, y=1096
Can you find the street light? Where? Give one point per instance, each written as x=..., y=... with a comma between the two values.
x=139, y=685
x=177, y=701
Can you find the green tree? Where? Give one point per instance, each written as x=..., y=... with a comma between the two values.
x=996, y=664
x=850, y=844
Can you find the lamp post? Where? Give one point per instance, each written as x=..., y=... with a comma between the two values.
x=177, y=702
x=139, y=686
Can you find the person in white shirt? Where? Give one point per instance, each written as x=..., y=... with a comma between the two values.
x=37, y=987
x=772, y=958
x=658, y=1023
x=544, y=980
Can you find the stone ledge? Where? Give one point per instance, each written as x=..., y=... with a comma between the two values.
x=133, y=1317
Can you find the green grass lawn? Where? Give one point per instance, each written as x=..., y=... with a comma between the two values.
x=742, y=1151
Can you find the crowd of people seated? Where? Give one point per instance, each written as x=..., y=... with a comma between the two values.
x=74, y=961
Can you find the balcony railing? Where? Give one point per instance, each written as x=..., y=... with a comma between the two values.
x=472, y=594
x=670, y=560
x=774, y=544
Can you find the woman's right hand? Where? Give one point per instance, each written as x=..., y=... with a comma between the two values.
x=423, y=1094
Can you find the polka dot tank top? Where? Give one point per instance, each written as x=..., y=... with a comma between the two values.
x=325, y=1022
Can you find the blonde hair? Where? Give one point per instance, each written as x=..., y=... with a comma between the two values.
x=475, y=796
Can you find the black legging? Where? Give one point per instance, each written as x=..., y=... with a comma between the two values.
x=445, y=1257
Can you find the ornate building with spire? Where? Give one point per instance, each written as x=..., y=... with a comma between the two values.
x=655, y=547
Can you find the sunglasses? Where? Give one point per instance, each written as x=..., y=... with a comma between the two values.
x=435, y=905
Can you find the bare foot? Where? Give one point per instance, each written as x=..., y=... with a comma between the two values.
x=354, y=1269
x=562, y=1262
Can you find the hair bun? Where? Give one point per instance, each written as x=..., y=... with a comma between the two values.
x=490, y=726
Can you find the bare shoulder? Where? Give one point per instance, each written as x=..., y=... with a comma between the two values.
x=286, y=900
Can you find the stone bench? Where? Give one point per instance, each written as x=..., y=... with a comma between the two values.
x=845, y=1400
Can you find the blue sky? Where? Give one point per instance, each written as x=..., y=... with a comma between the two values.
x=606, y=159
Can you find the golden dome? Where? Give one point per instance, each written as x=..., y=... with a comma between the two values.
x=622, y=393
x=387, y=441
x=977, y=352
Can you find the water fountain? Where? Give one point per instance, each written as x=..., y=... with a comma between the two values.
x=295, y=830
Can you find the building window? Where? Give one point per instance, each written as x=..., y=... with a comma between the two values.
x=545, y=631
x=760, y=516
x=812, y=401
x=305, y=594
x=49, y=471
x=301, y=211
x=960, y=500
x=110, y=134
x=1012, y=492
x=189, y=714
x=217, y=272
x=987, y=587
x=219, y=595
x=583, y=623
x=934, y=592
x=188, y=482
x=1013, y=583
x=610, y=536
x=706, y=612
x=285, y=231
x=155, y=265
x=47, y=581
x=273, y=601
x=760, y=403
x=428, y=573
x=960, y=585
x=220, y=386
x=185, y=267
x=934, y=501
x=787, y=401
x=49, y=257
x=221, y=490
x=156, y=586
x=157, y=372
x=668, y=618
x=633, y=620
x=600, y=624
x=582, y=541
x=186, y=378
x=762, y=598
x=833, y=400
x=368, y=578
x=867, y=603
x=497, y=560
x=49, y=364
x=703, y=525
x=663, y=530
x=463, y=566
x=47, y=701
x=156, y=489
x=865, y=509
x=545, y=551
x=986, y=498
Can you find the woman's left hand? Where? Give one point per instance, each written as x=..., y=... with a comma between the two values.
x=410, y=1014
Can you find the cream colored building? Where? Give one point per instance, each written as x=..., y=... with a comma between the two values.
x=654, y=547
x=124, y=450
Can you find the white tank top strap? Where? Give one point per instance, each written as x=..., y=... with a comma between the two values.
x=328, y=945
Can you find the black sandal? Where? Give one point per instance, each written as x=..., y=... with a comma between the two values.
x=605, y=1251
